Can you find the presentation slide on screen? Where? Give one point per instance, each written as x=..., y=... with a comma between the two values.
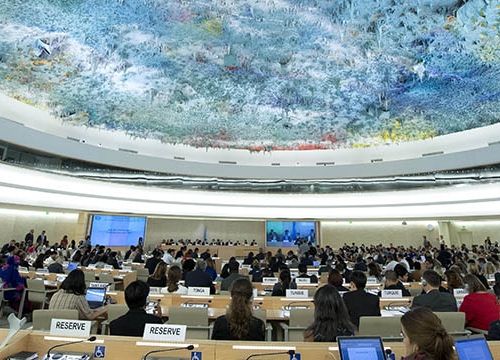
x=111, y=230
x=287, y=233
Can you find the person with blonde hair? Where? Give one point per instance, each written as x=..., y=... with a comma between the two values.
x=239, y=322
x=159, y=276
x=424, y=336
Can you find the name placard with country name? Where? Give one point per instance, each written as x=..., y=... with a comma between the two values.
x=269, y=280
x=392, y=294
x=202, y=291
x=70, y=327
x=297, y=293
x=302, y=280
x=164, y=332
x=460, y=292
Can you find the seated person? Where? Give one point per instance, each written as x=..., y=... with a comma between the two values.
x=425, y=337
x=135, y=320
x=239, y=323
x=331, y=318
x=72, y=296
x=480, y=307
x=233, y=275
x=433, y=298
x=285, y=282
x=358, y=301
x=335, y=278
x=173, y=278
x=303, y=274
x=159, y=277
x=11, y=279
x=57, y=267
x=392, y=283
x=199, y=278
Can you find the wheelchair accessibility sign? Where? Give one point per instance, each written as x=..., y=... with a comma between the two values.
x=196, y=355
x=99, y=352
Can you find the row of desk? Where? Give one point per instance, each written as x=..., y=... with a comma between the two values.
x=118, y=347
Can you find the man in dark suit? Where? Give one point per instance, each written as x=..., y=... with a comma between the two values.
x=358, y=301
x=41, y=238
x=28, y=239
x=199, y=278
x=303, y=274
x=433, y=298
x=135, y=320
x=153, y=261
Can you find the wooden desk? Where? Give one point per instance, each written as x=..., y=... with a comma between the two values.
x=120, y=347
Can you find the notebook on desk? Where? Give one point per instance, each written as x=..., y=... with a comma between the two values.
x=361, y=348
x=473, y=348
x=95, y=297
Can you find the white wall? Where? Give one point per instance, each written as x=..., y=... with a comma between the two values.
x=163, y=228
x=336, y=233
x=15, y=224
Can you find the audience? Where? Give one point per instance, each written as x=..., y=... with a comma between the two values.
x=239, y=323
x=135, y=320
x=424, y=336
x=284, y=283
x=331, y=318
x=233, y=275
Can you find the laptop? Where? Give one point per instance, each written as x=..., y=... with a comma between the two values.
x=96, y=297
x=361, y=348
x=473, y=348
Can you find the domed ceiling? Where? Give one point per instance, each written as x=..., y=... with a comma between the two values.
x=260, y=74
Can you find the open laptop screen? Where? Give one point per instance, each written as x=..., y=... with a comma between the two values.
x=72, y=266
x=361, y=348
x=95, y=297
x=473, y=349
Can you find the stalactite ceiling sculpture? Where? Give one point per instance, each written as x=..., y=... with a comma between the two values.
x=257, y=74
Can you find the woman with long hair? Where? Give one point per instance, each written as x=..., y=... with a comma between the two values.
x=159, y=277
x=285, y=282
x=72, y=296
x=480, y=307
x=331, y=318
x=453, y=280
x=424, y=336
x=239, y=323
x=173, y=277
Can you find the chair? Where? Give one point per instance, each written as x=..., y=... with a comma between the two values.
x=114, y=312
x=388, y=328
x=454, y=323
x=300, y=320
x=261, y=314
x=2, y=299
x=107, y=278
x=196, y=320
x=37, y=293
x=89, y=277
x=415, y=291
x=42, y=318
x=142, y=274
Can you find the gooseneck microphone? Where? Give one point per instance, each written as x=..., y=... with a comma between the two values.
x=289, y=352
x=196, y=303
x=189, y=347
x=289, y=305
x=92, y=338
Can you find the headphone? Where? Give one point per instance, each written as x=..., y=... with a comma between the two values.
x=424, y=282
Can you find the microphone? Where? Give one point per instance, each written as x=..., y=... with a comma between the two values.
x=196, y=303
x=189, y=347
x=92, y=338
x=288, y=307
x=289, y=352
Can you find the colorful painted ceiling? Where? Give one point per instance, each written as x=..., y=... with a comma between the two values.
x=260, y=74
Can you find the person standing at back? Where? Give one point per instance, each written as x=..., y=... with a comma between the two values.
x=358, y=301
